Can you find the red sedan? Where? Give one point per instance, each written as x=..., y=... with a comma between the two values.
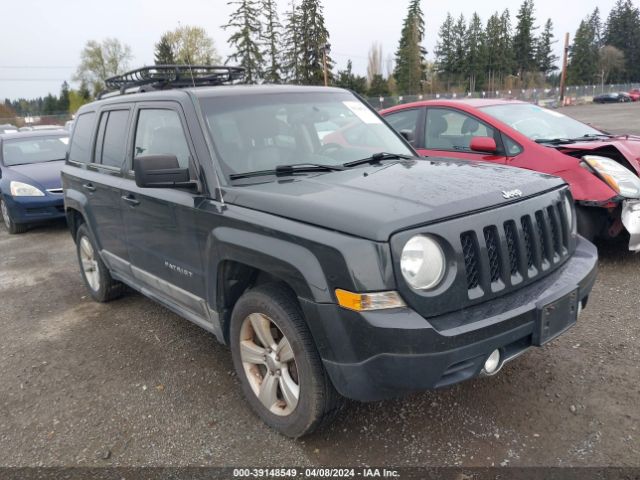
x=601, y=169
x=634, y=94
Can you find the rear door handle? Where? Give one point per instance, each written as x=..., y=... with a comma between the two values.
x=89, y=187
x=131, y=200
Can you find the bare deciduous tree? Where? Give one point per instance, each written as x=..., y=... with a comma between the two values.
x=610, y=60
x=374, y=67
x=101, y=60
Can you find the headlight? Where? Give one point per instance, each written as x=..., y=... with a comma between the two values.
x=422, y=262
x=621, y=179
x=19, y=189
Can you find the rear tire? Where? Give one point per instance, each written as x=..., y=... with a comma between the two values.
x=284, y=381
x=11, y=226
x=95, y=274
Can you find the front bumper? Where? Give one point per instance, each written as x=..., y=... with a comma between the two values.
x=35, y=209
x=631, y=220
x=382, y=354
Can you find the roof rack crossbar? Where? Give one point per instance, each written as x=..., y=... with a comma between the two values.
x=161, y=77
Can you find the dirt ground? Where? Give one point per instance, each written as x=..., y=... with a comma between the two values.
x=130, y=384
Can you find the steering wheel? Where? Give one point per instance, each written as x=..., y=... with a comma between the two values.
x=328, y=147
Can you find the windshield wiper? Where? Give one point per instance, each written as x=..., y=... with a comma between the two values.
x=591, y=137
x=289, y=170
x=554, y=141
x=375, y=158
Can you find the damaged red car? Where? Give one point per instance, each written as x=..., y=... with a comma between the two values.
x=602, y=169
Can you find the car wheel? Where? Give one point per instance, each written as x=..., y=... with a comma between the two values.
x=95, y=274
x=276, y=360
x=8, y=222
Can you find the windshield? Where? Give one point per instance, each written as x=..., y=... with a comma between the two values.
x=33, y=150
x=260, y=132
x=539, y=123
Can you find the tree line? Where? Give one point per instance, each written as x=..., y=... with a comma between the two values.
x=294, y=47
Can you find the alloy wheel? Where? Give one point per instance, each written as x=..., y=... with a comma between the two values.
x=269, y=364
x=5, y=214
x=89, y=263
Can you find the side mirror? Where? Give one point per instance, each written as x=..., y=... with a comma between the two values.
x=160, y=171
x=483, y=144
x=408, y=135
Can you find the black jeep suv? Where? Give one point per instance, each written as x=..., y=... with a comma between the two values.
x=299, y=228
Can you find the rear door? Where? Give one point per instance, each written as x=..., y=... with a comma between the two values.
x=163, y=235
x=100, y=153
x=448, y=133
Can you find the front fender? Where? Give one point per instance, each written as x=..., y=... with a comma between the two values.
x=290, y=262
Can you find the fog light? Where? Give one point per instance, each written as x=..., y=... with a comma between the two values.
x=492, y=363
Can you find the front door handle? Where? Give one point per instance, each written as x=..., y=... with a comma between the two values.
x=131, y=200
x=89, y=187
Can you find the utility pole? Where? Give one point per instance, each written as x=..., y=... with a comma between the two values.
x=563, y=75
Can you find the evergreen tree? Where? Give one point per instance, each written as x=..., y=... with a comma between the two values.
x=545, y=59
x=314, y=43
x=379, y=87
x=50, y=105
x=444, y=51
x=523, y=40
x=164, y=54
x=492, y=50
x=583, y=55
x=291, y=41
x=410, y=57
x=271, y=39
x=623, y=32
x=347, y=79
x=596, y=24
x=244, y=41
x=63, y=100
x=475, y=58
x=459, y=47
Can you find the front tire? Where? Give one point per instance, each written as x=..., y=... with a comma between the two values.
x=95, y=274
x=278, y=365
x=11, y=226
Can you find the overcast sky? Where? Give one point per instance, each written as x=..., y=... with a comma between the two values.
x=51, y=33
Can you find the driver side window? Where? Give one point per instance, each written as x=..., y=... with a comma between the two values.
x=159, y=132
x=453, y=130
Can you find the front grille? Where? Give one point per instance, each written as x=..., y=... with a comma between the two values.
x=511, y=237
x=491, y=240
x=525, y=247
x=470, y=253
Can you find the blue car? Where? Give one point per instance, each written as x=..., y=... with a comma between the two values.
x=30, y=186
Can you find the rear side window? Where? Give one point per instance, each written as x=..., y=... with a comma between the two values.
x=159, y=132
x=80, y=150
x=112, y=138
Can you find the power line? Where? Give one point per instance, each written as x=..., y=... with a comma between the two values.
x=43, y=67
x=34, y=79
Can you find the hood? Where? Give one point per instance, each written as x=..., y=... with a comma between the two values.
x=42, y=175
x=376, y=201
x=628, y=146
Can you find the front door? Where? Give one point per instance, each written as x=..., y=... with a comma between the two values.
x=163, y=235
x=448, y=133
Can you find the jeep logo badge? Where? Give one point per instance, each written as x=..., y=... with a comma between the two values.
x=511, y=193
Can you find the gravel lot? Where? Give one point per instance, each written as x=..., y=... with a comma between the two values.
x=130, y=383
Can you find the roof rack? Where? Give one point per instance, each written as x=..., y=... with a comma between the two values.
x=162, y=77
